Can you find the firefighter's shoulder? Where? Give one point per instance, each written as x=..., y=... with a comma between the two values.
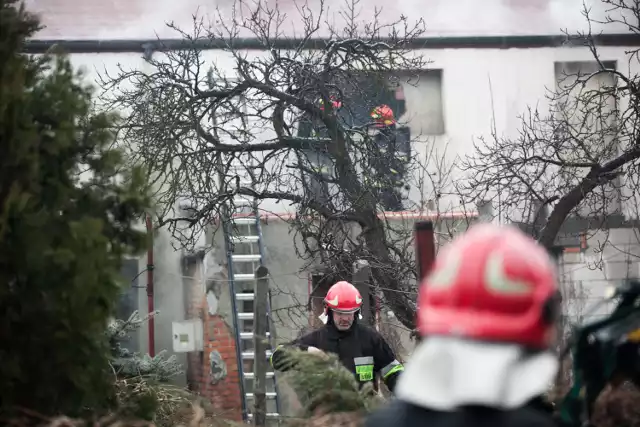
x=400, y=413
x=371, y=336
x=368, y=331
x=314, y=337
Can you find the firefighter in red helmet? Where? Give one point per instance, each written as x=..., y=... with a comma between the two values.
x=335, y=103
x=488, y=312
x=361, y=349
x=383, y=116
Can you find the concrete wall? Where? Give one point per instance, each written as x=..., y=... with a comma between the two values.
x=503, y=84
x=290, y=282
x=611, y=257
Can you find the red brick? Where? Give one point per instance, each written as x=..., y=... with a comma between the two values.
x=224, y=396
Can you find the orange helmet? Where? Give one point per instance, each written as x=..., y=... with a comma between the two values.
x=491, y=284
x=343, y=297
x=382, y=115
x=334, y=103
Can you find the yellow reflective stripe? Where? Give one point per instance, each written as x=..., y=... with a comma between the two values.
x=391, y=368
x=272, y=353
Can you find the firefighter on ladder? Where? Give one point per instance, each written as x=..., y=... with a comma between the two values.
x=360, y=348
x=388, y=167
x=488, y=311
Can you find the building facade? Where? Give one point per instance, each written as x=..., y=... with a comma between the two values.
x=490, y=61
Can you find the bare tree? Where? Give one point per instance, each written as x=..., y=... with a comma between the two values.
x=579, y=158
x=289, y=124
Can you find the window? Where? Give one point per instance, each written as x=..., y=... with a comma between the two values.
x=422, y=92
x=389, y=109
x=585, y=127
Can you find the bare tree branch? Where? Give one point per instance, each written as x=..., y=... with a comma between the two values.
x=580, y=158
x=269, y=127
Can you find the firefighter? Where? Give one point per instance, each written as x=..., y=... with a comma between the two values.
x=388, y=170
x=487, y=312
x=361, y=349
x=383, y=117
x=335, y=103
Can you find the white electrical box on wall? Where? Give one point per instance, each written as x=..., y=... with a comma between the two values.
x=187, y=336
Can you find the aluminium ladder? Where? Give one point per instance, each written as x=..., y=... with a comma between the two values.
x=243, y=238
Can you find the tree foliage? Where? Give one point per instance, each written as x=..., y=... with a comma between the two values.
x=67, y=216
x=131, y=364
x=216, y=126
x=324, y=386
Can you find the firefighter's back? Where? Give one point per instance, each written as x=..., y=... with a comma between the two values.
x=487, y=310
x=403, y=414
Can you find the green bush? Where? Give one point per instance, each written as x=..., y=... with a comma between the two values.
x=67, y=211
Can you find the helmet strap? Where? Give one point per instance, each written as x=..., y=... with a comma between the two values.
x=324, y=317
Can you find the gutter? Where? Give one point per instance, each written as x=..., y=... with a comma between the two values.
x=150, y=288
x=148, y=46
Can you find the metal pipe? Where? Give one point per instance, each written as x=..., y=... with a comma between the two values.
x=147, y=46
x=150, y=306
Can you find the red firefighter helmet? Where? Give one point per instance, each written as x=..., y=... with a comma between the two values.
x=334, y=103
x=382, y=115
x=343, y=297
x=491, y=284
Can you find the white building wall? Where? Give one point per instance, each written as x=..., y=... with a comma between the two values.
x=131, y=19
x=477, y=85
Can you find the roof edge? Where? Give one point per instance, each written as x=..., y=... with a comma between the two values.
x=414, y=215
x=148, y=46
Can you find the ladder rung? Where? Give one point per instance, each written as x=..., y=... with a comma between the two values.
x=244, y=220
x=251, y=375
x=245, y=296
x=245, y=316
x=244, y=239
x=252, y=355
x=246, y=258
x=249, y=335
x=268, y=414
x=270, y=395
x=243, y=277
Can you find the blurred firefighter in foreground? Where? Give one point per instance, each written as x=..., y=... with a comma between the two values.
x=487, y=312
x=361, y=349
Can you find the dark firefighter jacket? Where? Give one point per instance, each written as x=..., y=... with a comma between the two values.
x=361, y=349
x=403, y=414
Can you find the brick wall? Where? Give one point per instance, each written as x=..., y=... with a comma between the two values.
x=221, y=390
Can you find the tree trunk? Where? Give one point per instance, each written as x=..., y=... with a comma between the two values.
x=397, y=298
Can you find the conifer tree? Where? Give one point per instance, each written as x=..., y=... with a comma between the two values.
x=67, y=216
x=129, y=364
x=328, y=392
